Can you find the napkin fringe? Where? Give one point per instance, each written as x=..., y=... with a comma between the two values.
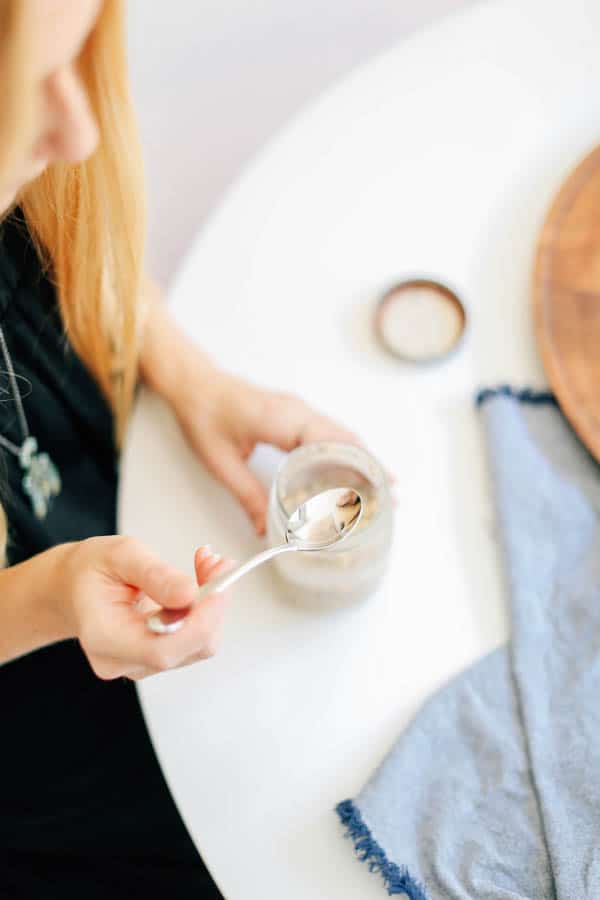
x=525, y=395
x=397, y=879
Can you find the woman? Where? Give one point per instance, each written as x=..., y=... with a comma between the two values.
x=85, y=811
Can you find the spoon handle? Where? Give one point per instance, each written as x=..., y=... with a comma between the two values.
x=222, y=582
x=156, y=623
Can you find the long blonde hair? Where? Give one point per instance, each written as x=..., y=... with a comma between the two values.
x=87, y=219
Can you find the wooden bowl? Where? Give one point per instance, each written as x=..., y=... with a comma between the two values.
x=566, y=299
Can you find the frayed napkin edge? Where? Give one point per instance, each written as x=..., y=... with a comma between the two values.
x=523, y=395
x=397, y=879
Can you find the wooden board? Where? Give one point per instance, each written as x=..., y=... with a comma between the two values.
x=566, y=299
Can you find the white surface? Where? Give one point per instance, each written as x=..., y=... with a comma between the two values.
x=212, y=80
x=439, y=157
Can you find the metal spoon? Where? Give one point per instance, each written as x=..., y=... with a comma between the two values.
x=319, y=523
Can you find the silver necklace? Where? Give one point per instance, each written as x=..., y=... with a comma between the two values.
x=41, y=481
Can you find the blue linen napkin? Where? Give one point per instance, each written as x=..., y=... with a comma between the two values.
x=493, y=792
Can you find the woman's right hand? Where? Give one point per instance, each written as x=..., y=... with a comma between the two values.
x=107, y=586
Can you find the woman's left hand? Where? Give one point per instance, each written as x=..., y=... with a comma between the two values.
x=224, y=418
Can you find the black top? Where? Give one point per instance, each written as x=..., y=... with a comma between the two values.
x=84, y=808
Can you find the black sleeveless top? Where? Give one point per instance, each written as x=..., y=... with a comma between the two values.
x=84, y=809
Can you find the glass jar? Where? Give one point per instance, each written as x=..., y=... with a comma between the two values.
x=351, y=571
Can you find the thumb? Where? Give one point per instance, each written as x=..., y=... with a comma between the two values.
x=233, y=472
x=136, y=565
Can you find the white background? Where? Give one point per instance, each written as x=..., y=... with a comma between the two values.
x=213, y=79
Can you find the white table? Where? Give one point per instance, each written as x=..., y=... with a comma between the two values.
x=439, y=157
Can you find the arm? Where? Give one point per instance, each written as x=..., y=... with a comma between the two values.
x=168, y=355
x=30, y=616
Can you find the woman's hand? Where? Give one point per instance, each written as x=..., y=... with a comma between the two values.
x=224, y=418
x=108, y=585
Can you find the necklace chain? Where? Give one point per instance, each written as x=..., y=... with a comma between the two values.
x=41, y=479
x=15, y=389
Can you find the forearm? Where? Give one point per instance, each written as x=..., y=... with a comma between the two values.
x=30, y=613
x=167, y=355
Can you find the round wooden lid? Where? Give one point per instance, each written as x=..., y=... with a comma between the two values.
x=566, y=299
x=420, y=320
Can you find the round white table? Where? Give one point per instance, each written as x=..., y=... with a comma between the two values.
x=439, y=157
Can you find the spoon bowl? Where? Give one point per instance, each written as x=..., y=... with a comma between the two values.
x=325, y=519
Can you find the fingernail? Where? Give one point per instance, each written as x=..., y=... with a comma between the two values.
x=156, y=624
x=215, y=558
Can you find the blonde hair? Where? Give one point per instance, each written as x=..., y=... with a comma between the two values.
x=87, y=219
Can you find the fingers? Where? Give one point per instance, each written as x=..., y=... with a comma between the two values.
x=298, y=424
x=233, y=472
x=133, y=563
x=208, y=565
x=288, y=422
x=127, y=580
x=125, y=646
x=321, y=428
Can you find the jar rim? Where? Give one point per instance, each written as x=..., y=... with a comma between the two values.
x=381, y=488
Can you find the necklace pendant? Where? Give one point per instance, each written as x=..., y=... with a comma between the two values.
x=41, y=481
